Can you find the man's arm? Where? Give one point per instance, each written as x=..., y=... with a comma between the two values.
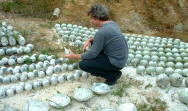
x=73, y=56
x=96, y=48
x=87, y=43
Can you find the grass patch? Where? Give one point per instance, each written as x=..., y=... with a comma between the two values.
x=120, y=89
x=28, y=61
x=156, y=104
x=49, y=51
x=48, y=25
x=25, y=32
x=72, y=61
x=35, y=8
x=12, y=6
x=2, y=56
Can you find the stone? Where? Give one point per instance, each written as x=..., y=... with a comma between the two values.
x=19, y=89
x=28, y=87
x=100, y=88
x=56, y=12
x=2, y=92
x=183, y=95
x=21, y=40
x=11, y=62
x=176, y=80
x=127, y=107
x=59, y=101
x=54, y=80
x=61, y=78
x=10, y=92
x=2, y=52
x=45, y=82
x=162, y=81
x=12, y=41
x=36, y=105
x=82, y=94
x=4, y=41
x=5, y=107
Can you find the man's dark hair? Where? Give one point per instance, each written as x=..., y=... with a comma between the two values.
x=99, y=11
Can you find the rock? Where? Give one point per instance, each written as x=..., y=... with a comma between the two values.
x=27, y=50
x=2, y=92
x=4, y=41
x=186, y=82
x=11, y=62
x=64, y=67
x=21, y=40
x=7, y=79
x=4, y=60
x=107, y=109
x=61, y=78
x=76, y=76
x=23, y=77
x=100, y=88
x=28, y=87
x=33, y=58
x=82, y=94
x=37, y=84
x=36, y=105
x=2, y=52
x=41, y=74
x=19, y=89
x=9, y=51
x=30, y=46
x=45, y=82
x=5, y=107
x=127, y=107
x=185, y=72
x=56, y=12
x=31, y=75
x=57, y=68
x=12, y=41
x=70, y=77
x=54, y=80
x=178, y=27
x=31, y=67
x=20, y=50
x=59, y=101
x=10, y=92
x=14, y=78
x=162, y=81
x=183, y=96
x=85, y=75
x=42, y=57
x=176, y=80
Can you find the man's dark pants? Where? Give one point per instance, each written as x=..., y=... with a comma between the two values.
x=101, y=66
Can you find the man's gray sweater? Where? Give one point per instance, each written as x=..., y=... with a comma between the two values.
x=109, y=39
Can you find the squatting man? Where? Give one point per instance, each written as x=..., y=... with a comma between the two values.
x=108, y=52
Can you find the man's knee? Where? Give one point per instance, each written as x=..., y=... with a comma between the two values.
x=83, y=65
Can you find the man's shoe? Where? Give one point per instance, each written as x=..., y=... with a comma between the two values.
x=113, y=81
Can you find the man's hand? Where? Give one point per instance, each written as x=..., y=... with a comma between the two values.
x=87, y=44
x=73, y=56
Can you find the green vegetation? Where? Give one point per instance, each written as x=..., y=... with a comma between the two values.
x=72, y=61
x=120, y=89
x=155, y=105
x=49, y=51
x=48, y=25
x=28, y=61
x=12, y=6
x=25, y=32
x=2, y=56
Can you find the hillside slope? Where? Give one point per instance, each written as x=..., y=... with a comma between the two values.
x=149, y=17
